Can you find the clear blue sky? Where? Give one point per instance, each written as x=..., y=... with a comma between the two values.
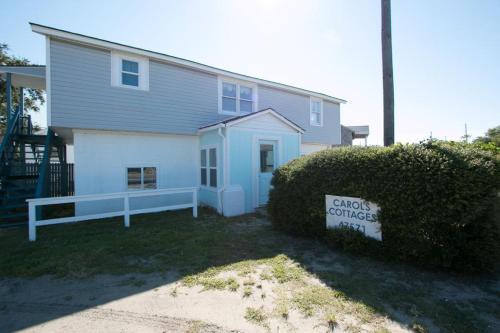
x=446, y=53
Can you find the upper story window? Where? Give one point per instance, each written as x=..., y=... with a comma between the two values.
x=129, y=71
x=316, y=112
x=237, y=97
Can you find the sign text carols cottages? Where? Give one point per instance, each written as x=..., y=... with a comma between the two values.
x=354, y=213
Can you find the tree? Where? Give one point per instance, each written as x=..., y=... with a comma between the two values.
x=33, y=98
x=492, y=135
x=387, y=75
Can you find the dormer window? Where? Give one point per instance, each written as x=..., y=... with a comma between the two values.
x=129, y=71
x=236, y=97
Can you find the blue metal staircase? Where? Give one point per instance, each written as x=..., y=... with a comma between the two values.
x=24, y=167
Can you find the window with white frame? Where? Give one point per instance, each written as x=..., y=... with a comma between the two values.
x=129, y=71
x=141, y=178
x=208, y=162
x=237, y=97
x=316, y=112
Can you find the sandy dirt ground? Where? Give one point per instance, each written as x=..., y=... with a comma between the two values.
x=145, y=303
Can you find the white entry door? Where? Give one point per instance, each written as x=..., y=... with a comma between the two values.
x=267, y=163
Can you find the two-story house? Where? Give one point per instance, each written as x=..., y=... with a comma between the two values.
x=140, y=119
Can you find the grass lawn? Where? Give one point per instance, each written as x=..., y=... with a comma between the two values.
x=244, y=254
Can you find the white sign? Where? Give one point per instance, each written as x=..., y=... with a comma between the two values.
x=354, y=213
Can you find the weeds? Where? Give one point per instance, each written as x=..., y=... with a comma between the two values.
x=256, y=316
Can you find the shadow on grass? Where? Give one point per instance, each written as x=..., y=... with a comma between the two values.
x=175, y=245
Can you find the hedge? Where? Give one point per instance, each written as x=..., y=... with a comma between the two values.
x=437, y=201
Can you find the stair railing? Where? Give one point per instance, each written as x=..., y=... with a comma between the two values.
x=43, y=178
x=12, y=129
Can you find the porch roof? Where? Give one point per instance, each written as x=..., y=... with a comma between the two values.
x=25, y=76
x=359, y=132
x=234, y=120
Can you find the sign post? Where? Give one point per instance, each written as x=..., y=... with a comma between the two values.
x=353, y=213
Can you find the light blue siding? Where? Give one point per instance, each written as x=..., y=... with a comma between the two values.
x=179, y=100
x=241, y=165
x=296, y=108
x=209, y=196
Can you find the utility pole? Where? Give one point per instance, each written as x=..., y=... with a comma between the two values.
x=466, y=135
x=387, y=73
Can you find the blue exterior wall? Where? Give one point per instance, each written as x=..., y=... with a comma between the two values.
x=179, y=99
x=296, y=108
x=208, y=195
x=241, y=165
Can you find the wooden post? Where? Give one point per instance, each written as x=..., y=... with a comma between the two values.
x=387, y=73
x=195, y=203
x=32, y=221
x=126, y=209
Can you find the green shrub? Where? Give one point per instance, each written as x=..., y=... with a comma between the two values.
x=437, y=201
x=352, y=241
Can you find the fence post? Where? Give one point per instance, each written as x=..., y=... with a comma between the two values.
x=126, y=208
x=32, y=221
x=195, y=203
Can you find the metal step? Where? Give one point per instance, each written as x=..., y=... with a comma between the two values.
x=13, y=206
x=14, y=215
x=21, y=177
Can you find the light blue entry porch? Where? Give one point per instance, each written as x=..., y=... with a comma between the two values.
x=248, y=150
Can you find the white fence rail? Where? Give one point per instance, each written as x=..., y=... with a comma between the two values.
x=126, y=212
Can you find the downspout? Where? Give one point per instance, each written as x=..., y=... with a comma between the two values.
x=224, y=164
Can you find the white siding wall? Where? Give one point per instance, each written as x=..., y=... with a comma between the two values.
x=101, y=159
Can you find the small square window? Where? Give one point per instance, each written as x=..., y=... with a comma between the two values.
x=144, y=178
x=129, y=71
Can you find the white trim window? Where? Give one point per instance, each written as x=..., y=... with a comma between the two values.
x=237, y=97
x=142, y=178
x=316, y=112
x=208, y=162
x=129, y=71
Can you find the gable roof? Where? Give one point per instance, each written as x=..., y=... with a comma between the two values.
x=235, y=120
x=88, y=40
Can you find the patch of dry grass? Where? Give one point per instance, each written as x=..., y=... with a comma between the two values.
x=256, y=316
